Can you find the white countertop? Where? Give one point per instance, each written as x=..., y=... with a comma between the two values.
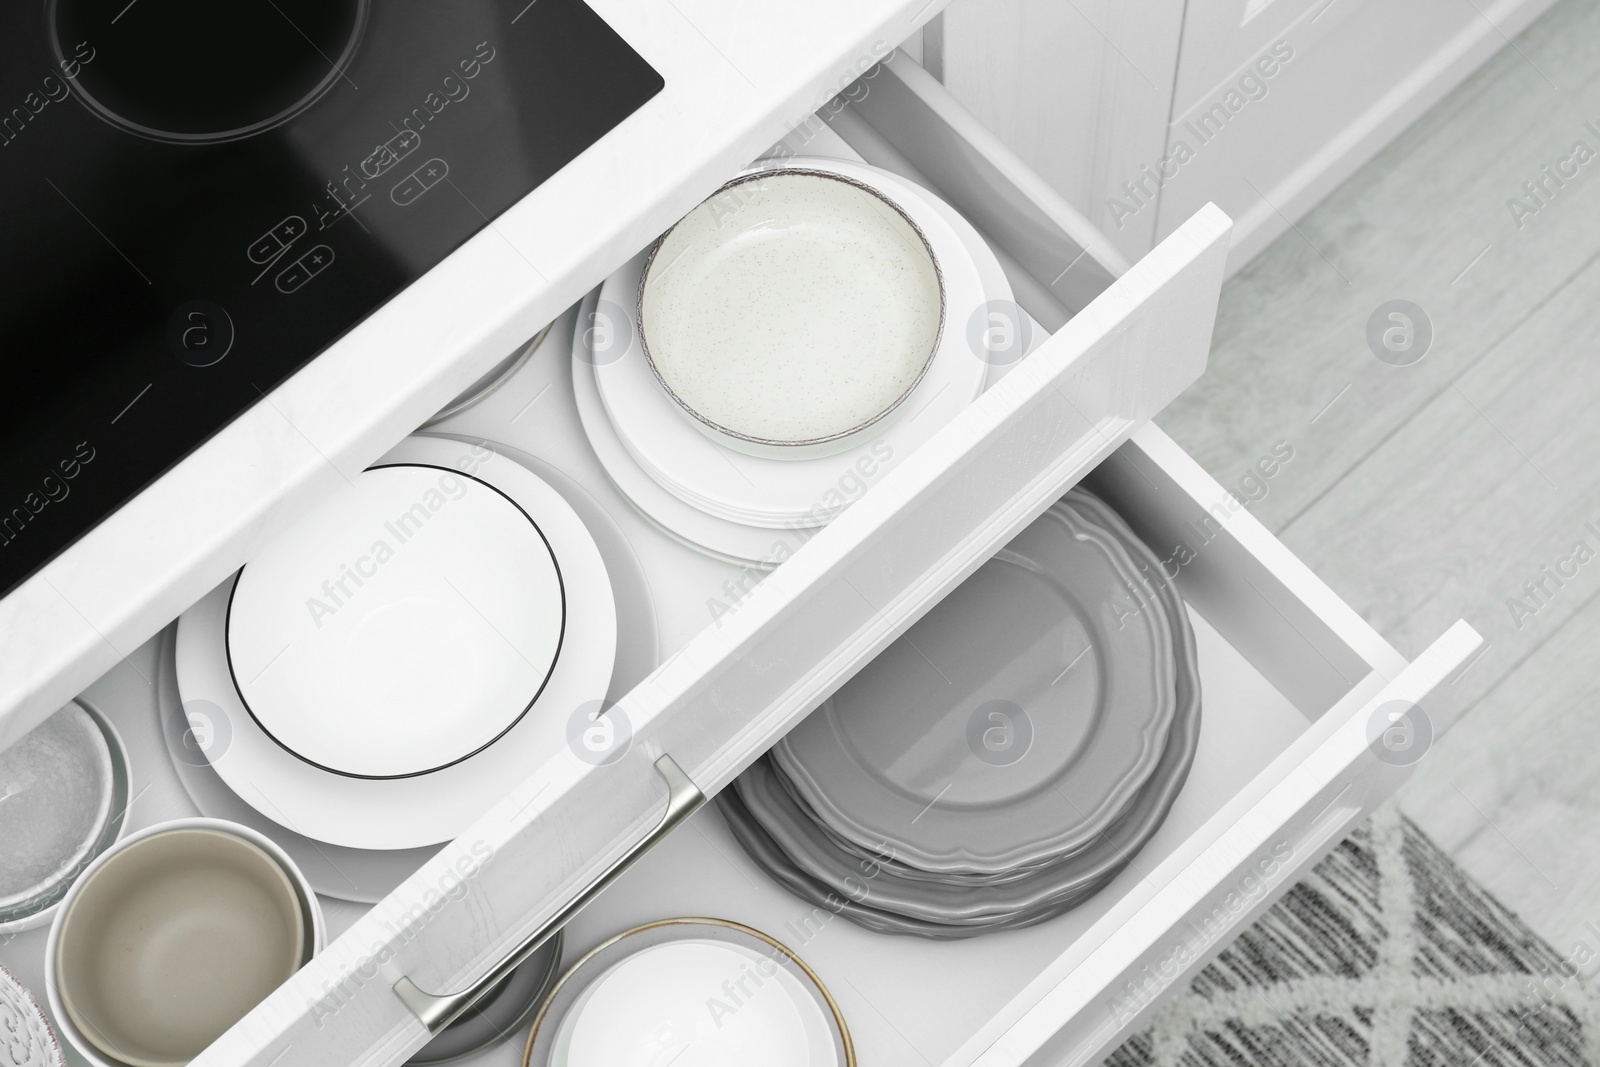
x=738, y=77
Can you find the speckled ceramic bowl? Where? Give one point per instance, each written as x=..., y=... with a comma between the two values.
x=65, y=790
x=791, y=312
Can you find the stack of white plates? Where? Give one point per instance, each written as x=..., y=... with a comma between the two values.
x=398, y=660
x=707, y=489
x=1002, y=761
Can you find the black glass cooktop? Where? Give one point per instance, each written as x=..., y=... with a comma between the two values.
x=197, y=197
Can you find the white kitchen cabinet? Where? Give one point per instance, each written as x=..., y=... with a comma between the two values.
x=1081, y=91
x=1348, y=77
x=1293, y=679
x=1222, y=39
x=1260, y=106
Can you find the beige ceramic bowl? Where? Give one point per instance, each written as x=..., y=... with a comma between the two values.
x=170, y=938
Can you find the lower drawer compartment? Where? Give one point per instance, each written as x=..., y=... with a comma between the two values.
x=909, y=1000
x=1276, y=782
x=1292, y=684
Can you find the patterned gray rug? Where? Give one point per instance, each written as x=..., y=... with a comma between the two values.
x=1386, y=955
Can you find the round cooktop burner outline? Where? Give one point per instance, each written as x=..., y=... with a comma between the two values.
x=69, y=56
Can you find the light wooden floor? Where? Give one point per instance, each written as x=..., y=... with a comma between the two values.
x=1435, y=491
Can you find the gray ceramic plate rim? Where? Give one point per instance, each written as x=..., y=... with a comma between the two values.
x=599, y=960
x=1153, y=806
x=766, y=855
x=874, y=811
x=758, y=174
x=876, y=856
x=492, y=380
x=1168, y=604
x=522, y=993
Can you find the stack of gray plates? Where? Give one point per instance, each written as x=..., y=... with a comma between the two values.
x=1004, y=759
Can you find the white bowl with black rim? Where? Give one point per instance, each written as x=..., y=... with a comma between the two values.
x=399, y=659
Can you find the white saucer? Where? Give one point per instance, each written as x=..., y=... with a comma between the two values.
x=730, y=542
x=368, y=875
x=783, y=493
x=700, y=991
x=720, y=538
x=362, y=875
x=406, y=623
x=670, y=986
x=421, y=808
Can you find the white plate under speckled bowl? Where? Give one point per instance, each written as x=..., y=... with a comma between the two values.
x=758, y=493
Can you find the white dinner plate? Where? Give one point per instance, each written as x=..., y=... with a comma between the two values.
x=720, y=538
x=695, y=992
x=407, y=622
x=418, y=809
x=731, y=542
x=368, y=875
x=782, y=493
x=362, y=875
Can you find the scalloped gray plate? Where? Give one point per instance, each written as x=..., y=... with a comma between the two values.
x=1016, y=721
x=881, y=892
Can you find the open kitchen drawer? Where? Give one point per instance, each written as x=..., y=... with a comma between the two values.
x=1292, y=680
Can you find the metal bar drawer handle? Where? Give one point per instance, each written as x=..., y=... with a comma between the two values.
x=438, y=1012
